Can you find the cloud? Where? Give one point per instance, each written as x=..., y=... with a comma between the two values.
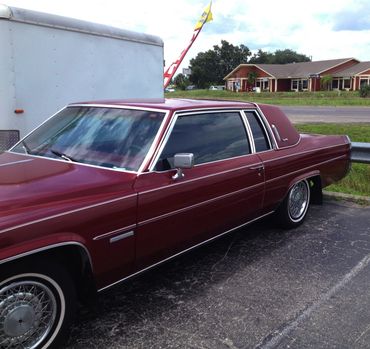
x=222, y=24
x=324, y=29
x=355, y=18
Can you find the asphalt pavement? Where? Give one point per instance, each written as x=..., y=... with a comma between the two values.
x=307, y=114
x=259, y=287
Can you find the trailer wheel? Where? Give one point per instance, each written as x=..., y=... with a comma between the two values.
x=37, y=304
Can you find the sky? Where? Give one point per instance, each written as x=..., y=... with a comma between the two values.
x=321, y=29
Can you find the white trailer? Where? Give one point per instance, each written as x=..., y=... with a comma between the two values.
x=48, y=61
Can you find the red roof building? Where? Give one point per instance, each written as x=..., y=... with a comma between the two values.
x=347, y=74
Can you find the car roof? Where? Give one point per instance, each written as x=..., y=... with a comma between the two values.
x=168, y=103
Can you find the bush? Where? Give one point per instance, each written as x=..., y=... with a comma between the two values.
x=365, y=91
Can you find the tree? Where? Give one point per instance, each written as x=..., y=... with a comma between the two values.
x=181, y=81
x=326, y=81
x=212, y=66
x=278, y=57
x=251, y=77
x=262, y=57
x=289, y=56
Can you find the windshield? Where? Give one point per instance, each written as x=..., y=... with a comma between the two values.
x=108, y=137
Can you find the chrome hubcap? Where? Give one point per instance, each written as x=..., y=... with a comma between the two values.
x=19, y=321
x=298, y=200
x=27, y=314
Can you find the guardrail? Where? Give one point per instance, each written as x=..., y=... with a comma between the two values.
x=360, y=152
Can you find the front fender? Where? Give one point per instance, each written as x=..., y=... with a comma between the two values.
x=33, y=247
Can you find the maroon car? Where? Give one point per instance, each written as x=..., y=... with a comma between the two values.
x=105, y=190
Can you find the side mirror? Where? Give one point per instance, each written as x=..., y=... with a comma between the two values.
x=182, y=161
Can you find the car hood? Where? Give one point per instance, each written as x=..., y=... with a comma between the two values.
x=29, y=183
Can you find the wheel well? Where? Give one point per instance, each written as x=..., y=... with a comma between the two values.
x=76, y=262
x=316, y=190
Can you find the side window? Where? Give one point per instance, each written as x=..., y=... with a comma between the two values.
x=210, y=137
x=259, y=134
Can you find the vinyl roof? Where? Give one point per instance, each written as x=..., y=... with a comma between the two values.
x=168, y=103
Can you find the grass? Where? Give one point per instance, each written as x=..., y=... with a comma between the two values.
x=358, y=180
x=320, y=98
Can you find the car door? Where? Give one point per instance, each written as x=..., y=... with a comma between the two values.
x=222, y=191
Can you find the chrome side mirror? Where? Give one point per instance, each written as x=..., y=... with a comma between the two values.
x=182, y=161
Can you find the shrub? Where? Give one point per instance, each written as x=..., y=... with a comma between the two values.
x=365, y=91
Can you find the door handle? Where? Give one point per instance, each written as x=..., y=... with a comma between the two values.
x=259, y=167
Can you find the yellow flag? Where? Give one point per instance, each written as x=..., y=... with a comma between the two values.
x=206, y=17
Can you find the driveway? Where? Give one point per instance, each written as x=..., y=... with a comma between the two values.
x=259, y=287
x=299, y=115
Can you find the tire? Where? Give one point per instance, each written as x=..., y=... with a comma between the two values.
x=37, y=304
x=293, y=209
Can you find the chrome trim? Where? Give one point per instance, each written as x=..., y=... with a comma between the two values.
x=66, y=213
x=45, y=248
x=36, y=128
x=163, y=142
x=74, y=163
x=276, y=132
x=304, y=169
x=249, y=132
x=121, y=237
x=117, y=231
x=203, y=177
x=117, y=106
x=302, y=152
x=267, y=124
x=16, y=162
x=206, y=202
x=268, y=136
x=154, y=145
x=170, y=127
x=184, y=251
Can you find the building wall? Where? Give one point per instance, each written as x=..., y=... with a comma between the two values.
x=315, y=84
x=283, y=85
x=242, y=74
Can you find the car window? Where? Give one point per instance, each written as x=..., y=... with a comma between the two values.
x=259, y=134
x=108, y=137
x=209, y=136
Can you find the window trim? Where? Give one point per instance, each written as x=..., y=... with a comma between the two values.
x=267, y=134
x=176, y=115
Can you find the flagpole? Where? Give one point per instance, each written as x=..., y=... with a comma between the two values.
x=171, y=70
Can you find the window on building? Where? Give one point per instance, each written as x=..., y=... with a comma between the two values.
x=263, y=84
x=346, y=84
x=364, y=82
x=210, y=137
x=299, y=84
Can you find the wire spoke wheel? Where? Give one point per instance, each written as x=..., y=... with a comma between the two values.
x=298, y=200
x=35, y=307
x=293, y=209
